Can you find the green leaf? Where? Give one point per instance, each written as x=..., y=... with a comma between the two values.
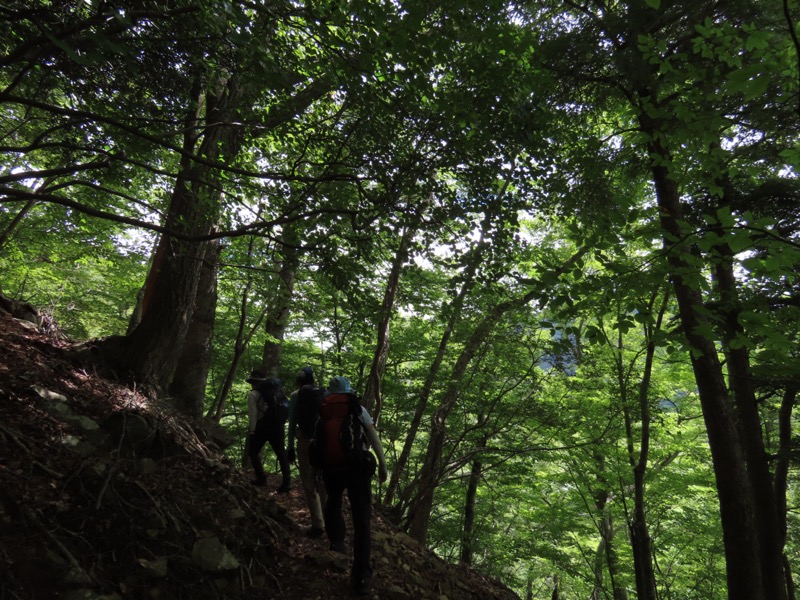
x=791, y=156
x=752, y=81
x=757, y=40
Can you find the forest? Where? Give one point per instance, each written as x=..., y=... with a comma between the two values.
x=554, y=245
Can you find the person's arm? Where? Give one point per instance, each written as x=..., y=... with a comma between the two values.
x=375, y=443
x=292, y=425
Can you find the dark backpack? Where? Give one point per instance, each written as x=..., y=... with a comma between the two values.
x=309, y=398
x=338, y=441
x=273, y=406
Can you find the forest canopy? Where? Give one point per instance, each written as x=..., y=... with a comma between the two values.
x=555, y=245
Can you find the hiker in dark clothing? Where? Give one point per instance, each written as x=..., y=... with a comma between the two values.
x=267, y=409
x=343, y=469
x=303, y=412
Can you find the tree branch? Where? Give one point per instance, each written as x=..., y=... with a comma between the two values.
x=12, y=194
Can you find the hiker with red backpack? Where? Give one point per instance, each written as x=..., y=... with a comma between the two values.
x=343, y=436
x=304, y=405
x=267, y=410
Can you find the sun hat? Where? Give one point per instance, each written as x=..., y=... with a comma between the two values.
x=339, y=385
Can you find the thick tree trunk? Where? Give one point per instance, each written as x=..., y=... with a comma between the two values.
x=188, y=387
x=767, y=520
x=155, y=345
x=153, y=348
x=743, y=551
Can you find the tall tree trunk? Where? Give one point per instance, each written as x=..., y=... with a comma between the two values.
x=372, y=391
x=468, y=532
x=781, y=474
x=431, y=471
x=239, y=346
x=637, y=526
x=430, y=474
x=606, y=558
x=154, y=347
x=743, y=552
x=454, y=311
x=767, y=520
x=188, y=387
x=281, y=302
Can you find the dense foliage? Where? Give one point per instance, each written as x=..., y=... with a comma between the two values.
x=538, y=226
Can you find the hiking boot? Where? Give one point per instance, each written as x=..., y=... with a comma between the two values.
x=259, y=482
x=284, y=489
x=314, y=532
x=362, y=586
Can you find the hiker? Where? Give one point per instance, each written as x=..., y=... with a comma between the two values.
x=303, y=412
x=267, y=409
x=342, y=438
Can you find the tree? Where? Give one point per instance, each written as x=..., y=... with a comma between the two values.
x=391, y=192
x=661, y=108
x=431, y=470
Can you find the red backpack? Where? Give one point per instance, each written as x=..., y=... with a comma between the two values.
x=338, y=440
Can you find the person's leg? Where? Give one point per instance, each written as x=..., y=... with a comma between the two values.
x=334, y=520
x=257, y=441
x=308, y=477
x=321, y=491
x=276, y=441
x=359, y=490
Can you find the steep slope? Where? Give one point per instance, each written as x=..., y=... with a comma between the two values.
x=106, y=494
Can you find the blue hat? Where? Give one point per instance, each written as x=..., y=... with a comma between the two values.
x=339, y=385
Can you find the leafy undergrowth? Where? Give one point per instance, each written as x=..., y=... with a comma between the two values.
x=106, y=494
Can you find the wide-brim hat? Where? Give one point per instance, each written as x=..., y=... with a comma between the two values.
x=339, y=385
x=256, y=376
